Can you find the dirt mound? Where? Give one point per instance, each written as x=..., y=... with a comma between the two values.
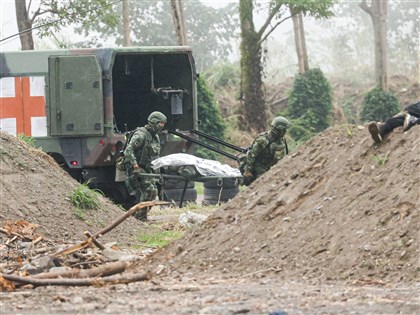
x=338, y=208
x=35, y=189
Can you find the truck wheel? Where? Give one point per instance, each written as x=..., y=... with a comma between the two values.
x=226, y=184
x=177, y=184
x=213, y=196
x=175, y=195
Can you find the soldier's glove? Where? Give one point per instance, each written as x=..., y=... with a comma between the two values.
x=138, y=171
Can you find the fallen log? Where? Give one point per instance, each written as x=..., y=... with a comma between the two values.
x=101, y=271
x=79, y=282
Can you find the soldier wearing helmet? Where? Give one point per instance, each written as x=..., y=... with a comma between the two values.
x=143, y=147
x=266, y=150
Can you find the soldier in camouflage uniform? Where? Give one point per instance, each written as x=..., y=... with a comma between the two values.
x=267, y=149
x=142, y=149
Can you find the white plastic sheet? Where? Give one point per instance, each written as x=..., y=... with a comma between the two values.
x=203, y=166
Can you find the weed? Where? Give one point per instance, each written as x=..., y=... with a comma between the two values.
x=79, y=213
x=159, y=238
x=199, y=187
x=28, y=140
x=349, y=132
x=85, y=198
x=381, y=159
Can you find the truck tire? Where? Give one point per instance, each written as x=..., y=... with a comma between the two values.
x=175, y=195
x=214, y=196
x=226, y=183
x=177, y=184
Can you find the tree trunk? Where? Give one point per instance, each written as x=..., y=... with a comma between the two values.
x=126, y=23
x=24, y=25
x=179, y=22
x=378, y=11
x=300, y=42
x=303, y=40
x=251, y=71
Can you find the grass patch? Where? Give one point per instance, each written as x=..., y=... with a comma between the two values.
x=28, y=140
x=199, y=187
x=159, y=238
x=84, y=198
x=80, y=214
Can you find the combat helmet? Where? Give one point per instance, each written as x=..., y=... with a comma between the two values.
x=154, y=119
x=280, y=124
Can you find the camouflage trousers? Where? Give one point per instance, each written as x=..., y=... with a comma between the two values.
x=142, y=188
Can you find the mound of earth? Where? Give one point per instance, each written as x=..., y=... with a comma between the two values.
x=338, y=208
x=35, y=189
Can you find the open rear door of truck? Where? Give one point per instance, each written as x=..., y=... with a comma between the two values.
x=75, y=97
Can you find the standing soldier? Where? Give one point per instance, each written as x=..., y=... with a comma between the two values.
x=142, y=149
x=267, y=149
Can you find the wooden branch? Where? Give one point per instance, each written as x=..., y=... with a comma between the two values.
x=363, y=5
x=37, y=240
x=113, y=225
x=96, y=242
x=263, y=38
x=273, y=12
x=12, y=233
x=130, y=212
x=73, y=248
x=79, y=282
x=11, y=240
x=101, y=271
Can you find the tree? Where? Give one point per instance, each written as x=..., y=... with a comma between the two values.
x=51, y=15
x=251, y=47
x=300, y=42
x=378, y=12
x=210, y=31
x=179, y=22
x=126, y=23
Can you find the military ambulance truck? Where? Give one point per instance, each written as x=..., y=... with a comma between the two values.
x=78, y=105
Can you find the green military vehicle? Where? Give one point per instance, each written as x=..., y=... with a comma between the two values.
x=93, y=97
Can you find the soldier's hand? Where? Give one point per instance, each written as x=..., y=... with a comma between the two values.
x=248, y=173
x=137, y=172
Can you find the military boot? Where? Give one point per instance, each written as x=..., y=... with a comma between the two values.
x=141, y=215
x=374, y=130
x=409, y=122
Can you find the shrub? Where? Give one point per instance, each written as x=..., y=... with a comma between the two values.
x=378, y=105
x=85, y=198
x=222, y=75
x=309, y=104
x=211, y=121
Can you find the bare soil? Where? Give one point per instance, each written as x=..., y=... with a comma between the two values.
x=331, y=229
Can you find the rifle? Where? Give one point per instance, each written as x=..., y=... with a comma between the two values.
x=208, y=146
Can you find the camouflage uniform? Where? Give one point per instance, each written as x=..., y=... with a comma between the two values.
x=142, y=149
x=267, y=149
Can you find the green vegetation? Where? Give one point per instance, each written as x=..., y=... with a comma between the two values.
x=211, y=121
x=159, y=238
x=27, y=139
x=84, y=198
x=309, y=105
x=378, y=105
x=222, y=75
x=381, y=159
x=199, y=187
